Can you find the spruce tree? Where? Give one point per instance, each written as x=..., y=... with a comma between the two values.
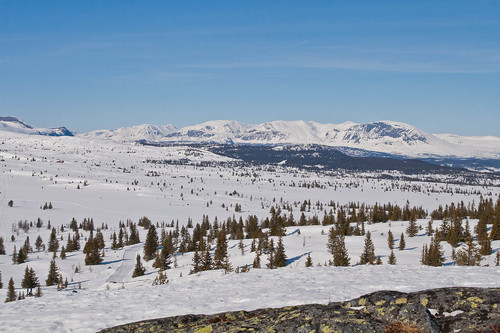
x=53, y=273
x=220, y=253
x=392, y=258
x=161, y=278
x=280, y=255
x=390, y=240
x=468, y=256
x=256, y=261
x=206, y=259
x=53, y=244
x=309, y=261
x=196, y=262
x=139, y=270
x=495, y=229
x=270, y=257
x=368, y=254
x=2, y=246
x=38, y=243
x=38, y=291
x=340, y=256
x=402, y=243
x=412, y=228
x=151, y=243
x=1, y=283
x=11, y=293
x=22, y=255
x=30, y=280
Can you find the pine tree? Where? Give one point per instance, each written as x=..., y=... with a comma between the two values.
x=368, y=254
x=468, y=256
x=114, y=243
x=53, y=244
x=332, y=239
x=30, y=280
x=151, y=243
x=402, y=243
x=11, y=293
x=280, y=255
x=433, y=255
x=392, y=258
x=139, y=270
x=309, y=261
x=53, y=274
x=340, y=256
x=22, y=255
x=1, y=283
x=2, y=246
x=206, y=260
x=390, y=240
x=14, y=255
x=91, y=250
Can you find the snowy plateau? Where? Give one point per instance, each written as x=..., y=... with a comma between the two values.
x=115, y=180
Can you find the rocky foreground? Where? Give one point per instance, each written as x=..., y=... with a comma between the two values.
x=456, y=309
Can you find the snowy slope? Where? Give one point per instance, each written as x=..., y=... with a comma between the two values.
x=146, y=132
x=381, y=136
x=13, y=124
x=113, y=182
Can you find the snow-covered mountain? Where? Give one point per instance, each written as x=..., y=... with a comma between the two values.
x=13, y=124
x=381, y=136
x=146, y=132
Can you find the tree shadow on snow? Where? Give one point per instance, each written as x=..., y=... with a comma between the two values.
x=292, y=260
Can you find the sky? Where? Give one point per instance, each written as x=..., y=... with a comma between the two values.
x=92, y=64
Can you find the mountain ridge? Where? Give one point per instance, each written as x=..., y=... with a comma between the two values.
x=380, y=136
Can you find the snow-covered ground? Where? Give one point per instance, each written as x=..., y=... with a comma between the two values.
x=112, y=182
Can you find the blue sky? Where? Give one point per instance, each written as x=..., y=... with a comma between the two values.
x=107, y=64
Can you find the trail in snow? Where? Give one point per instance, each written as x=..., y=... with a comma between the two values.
x=127, y=266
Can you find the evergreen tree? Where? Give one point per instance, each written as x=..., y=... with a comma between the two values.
x=1, y=283
x=22, y=255
x=206, y=260
x=196, y=262
x=368, y=254
x=402, y=243
x=161, y=278
x=38, y=291
x=433, y=254
x=114, y=243
x=30, y=280
x=483, y=238
x=151, y=243
x=14, y=255
x=412, y=228
x=390, y=240
x=392, y=258
x=256, y=261
x=139, y=270
x=332, y=239
x=53, y=244
x=53, y=273
x=63, y=252
x=270, y=257
x=494, y=233
x=11, y=293
x=468, y=256
x=220, y=254
x=340, y=256
x=91, y=250
x=2, y=246
x=280, y=255
x=38, y=243
x=309, y=261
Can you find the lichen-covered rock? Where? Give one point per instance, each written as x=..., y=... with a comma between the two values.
x=436, y=310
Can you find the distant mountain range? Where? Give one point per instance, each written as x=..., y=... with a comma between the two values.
x=13, y=124
x=381, y=138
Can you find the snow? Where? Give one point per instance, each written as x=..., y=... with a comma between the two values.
x=381, y=136
x=119, y=181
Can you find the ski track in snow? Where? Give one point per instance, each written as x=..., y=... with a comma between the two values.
x=127, y=265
